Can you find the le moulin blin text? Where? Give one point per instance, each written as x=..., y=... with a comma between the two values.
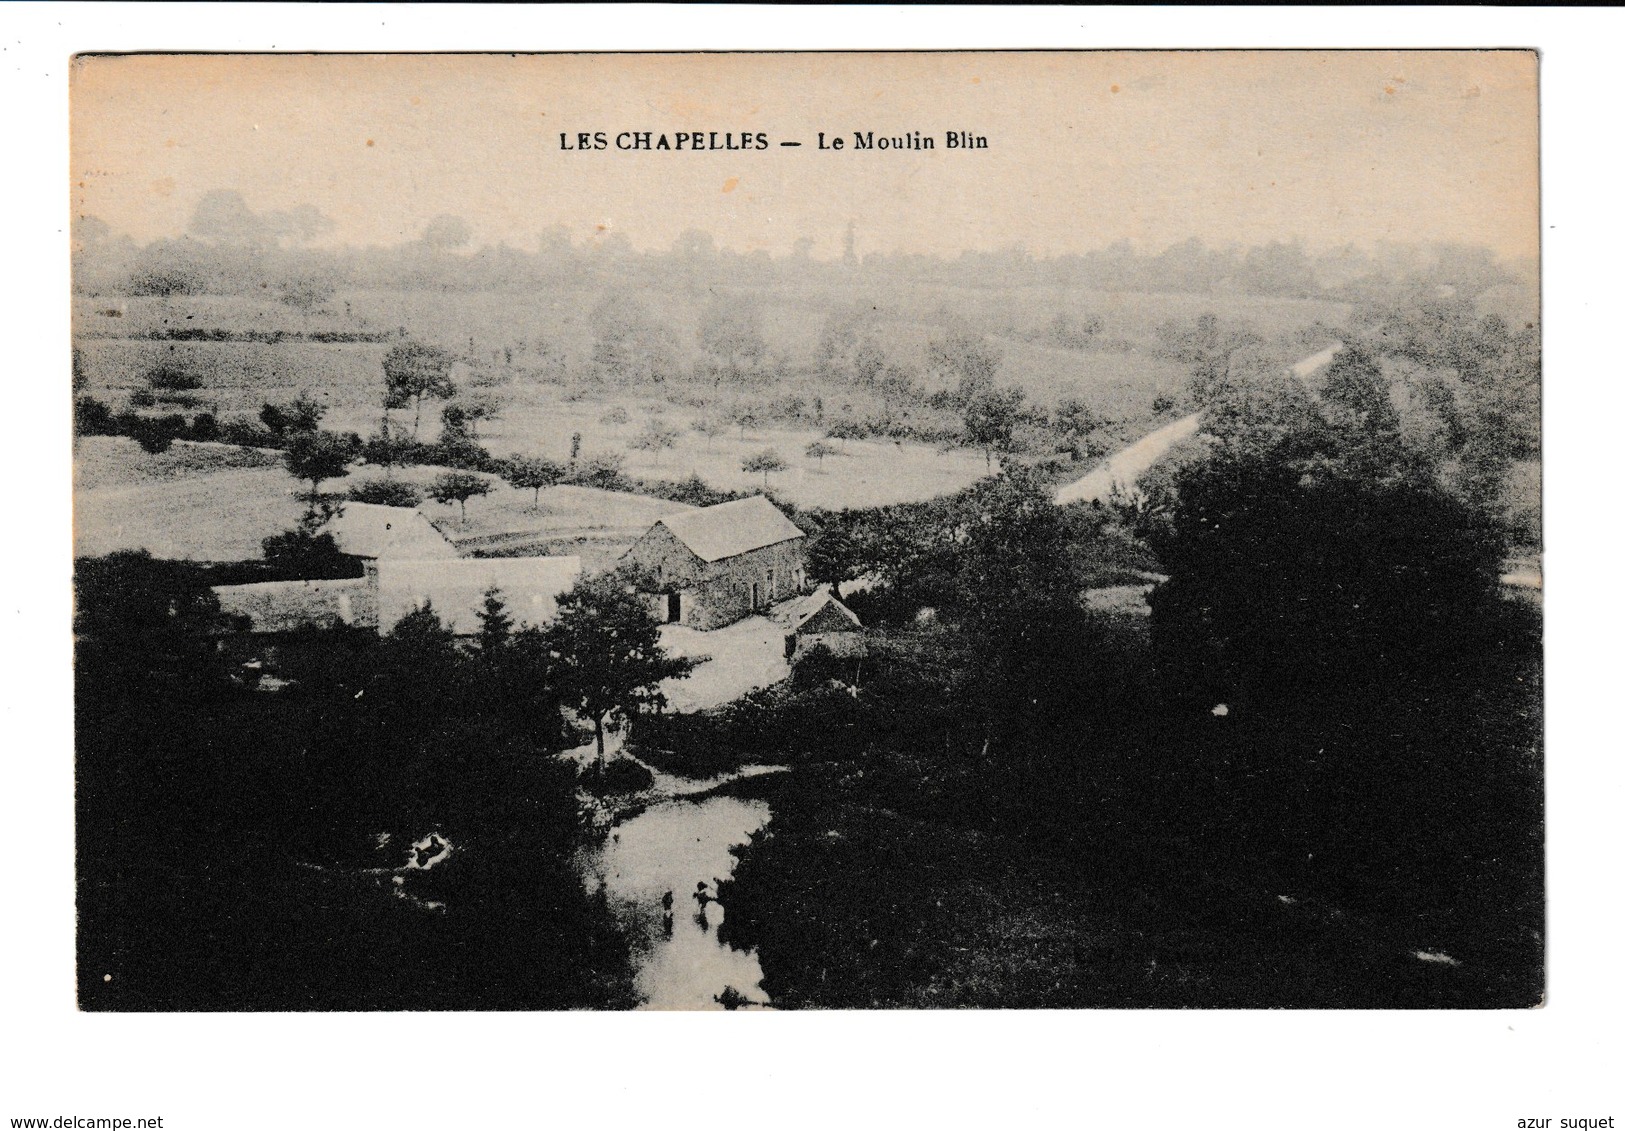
x=699, y=141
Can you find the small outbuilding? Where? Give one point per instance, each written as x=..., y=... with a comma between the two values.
x=712, y=566
x=821, y=620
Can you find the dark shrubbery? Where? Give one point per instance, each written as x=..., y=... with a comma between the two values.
x=304, y=553
x=154, y=433
x=387, y=492
x=242, y=851
x=619, y=775
x=694, y=491
x=93, y=418
x=205, y=428
x=403, y=451
x=781, y=724
x=248, y=434
x=602, y=471
x=173, y=379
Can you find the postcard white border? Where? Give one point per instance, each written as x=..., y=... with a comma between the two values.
x=1152, y=1070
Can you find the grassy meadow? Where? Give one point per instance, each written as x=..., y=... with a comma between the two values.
x=526, y=350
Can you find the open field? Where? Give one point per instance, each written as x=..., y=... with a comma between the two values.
x=508, y=329
x=205, y=515
x=213, y=502
x=1115, y=383
x=238, y=377
x=220, y=511
x=108, y=461
x=862, y=473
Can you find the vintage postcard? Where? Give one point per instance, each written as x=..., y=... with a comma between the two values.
x=1037, y=530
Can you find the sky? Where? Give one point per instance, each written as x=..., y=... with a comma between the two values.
x=1084, y=148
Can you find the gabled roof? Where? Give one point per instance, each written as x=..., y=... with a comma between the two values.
x=729, y=529
x=368, y=530
x=530, y=588
x=820, y=612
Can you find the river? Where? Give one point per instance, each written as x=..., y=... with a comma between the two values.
x=673, y=846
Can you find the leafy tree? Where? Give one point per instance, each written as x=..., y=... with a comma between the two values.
x=965, y=359
x=533, y=473
x=447, y=233
x=839, y=551
x=1074, y=418
x=867, y=362
x=846, y=350
x=318, y=456
x=602, y=471
x=306, y=551
x=746, y=416
x=223, y=217
x=93, y=418
x=418, y=669
x=844, y=430
x=458, y=487
x=1354, y=383
x=898, y=392
x=140, y=621
x=766, y=461
x=656, y=437
x=818, y=450
x=480, y=407
x=496, y=624
x=709, y=427
x=156, y=434
x=991, y=417
x=1256, y=405
x=205, y=427
x=730, y=331
x=629, y=345
x=303, y=414
x=1280, y=584
x=1208, y=347
x=412, y=371
x=1013, y=579
x=1359, y=409
x=387, y=493
x=454, y=424
x=606, y=651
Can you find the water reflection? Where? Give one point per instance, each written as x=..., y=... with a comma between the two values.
x=662, y=870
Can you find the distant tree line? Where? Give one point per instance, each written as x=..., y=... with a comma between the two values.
x=230, y=249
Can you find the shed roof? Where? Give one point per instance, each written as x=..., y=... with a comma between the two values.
x=530, y=587
x=729, y=529
x=368, y=530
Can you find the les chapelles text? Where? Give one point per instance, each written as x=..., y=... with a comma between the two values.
x=697, y=141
